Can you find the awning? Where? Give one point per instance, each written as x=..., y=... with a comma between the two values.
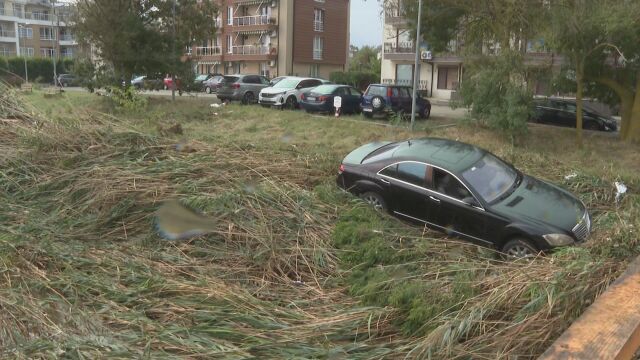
x=208, y=62
x=252, y=32
x=252, y=2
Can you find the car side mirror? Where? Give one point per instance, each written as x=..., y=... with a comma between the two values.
x=298, y=87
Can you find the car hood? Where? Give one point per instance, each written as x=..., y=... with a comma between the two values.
x=272, y=91
x=541, y=202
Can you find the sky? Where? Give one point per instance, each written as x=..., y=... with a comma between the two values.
x=366, y=23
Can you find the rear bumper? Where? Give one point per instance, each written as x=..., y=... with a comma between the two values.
x=235, y=95
x=317, y=107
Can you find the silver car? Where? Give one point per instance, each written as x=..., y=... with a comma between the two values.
x=286, y=92
x=244, y=88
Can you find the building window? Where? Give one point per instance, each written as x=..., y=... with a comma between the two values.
x=404, y=74
x=66, y=53
x=25, y=32
x=318, y=20
x=17, y=11
x=47, y=52
x=447, y=77
x=264, y=70
x=230, y=15
x=26, y=51
x=229, y=44
x=314, y=70
x=317, y=48
x=47, y=33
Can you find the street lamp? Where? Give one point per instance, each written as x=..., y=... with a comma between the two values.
x=26, y=73
x=416, y=74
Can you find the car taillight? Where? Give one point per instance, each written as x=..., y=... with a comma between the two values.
x=341, y=170
x=389, y=92
x=236, y=86
x=302, y=96
x=322, y=98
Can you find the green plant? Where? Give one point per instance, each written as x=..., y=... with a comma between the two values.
x=127, y=98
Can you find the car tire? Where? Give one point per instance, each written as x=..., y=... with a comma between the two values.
x=248, y=98
x=291, y=103
x=308, y=111
x=374, y=199
x=519, y=248
x=377, y=103
x=591, y=125
x=424, y=114
x=207, y=90
x=368, y=115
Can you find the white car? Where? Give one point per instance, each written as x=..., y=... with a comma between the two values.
x=286, y=92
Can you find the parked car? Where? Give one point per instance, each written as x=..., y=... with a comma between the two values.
x=200, y=80
x=320, y=99
x=65, y=80
x=168, y=83
x=392, y=99
x=212, y=84
x=242, y=87
x=562, y=112
x=467, y=192
x=153, y=82
x=286, y=92
x=138, y=82
x=276, y=80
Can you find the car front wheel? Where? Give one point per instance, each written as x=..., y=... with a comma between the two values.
x=519, y=249
x=292, y=103
x=424, y=114
x=207, y=90
x=375, y=200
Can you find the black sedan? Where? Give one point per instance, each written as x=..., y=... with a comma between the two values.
x=562, y=112
x=465, y=191
x=320, y=99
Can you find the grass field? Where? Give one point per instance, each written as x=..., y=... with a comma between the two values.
x=297, y=269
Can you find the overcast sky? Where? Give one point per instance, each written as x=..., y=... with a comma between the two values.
x=366, y=23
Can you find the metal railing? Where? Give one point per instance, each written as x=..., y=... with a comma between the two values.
x=422, y=84
x=251, y=50
x=48, y=37
x=208, y=50
x=317, y=54
x=7, y=33
x=38, y=16
x=318, y=25
x=6, y=52
x=399, y=48
x=252, y=20
x=67, y=37
x=48, y=53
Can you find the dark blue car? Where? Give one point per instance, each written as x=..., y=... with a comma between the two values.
x=320, y=99
x=392, y=99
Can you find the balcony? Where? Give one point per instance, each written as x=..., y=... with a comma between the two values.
x=7, y=34
x=67, y=37
x=208, y=50
x=395, y=18
x=423, y=85
x=399, y=51
x=250, y=50
x=253, y=20
x=6, y=52
x=38, y=16
x=318, y=25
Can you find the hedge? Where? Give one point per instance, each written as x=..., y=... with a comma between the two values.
x=356, y=79
x=40, y=69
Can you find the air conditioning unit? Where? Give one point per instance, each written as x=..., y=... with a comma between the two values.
x=426, y=55
x=272, y=63
x=274, y=33
x=274, y=3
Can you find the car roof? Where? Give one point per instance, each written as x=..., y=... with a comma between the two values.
x=451, y=155
x=390, y=85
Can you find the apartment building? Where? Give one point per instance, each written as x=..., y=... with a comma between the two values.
x=277, y=38
x=440, y=73
x=36, y=28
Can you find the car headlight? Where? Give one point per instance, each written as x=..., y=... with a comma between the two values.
x=558, y=239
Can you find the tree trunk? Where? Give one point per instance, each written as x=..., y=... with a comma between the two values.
x=579, y=76
x=626, y=107
x=633, y=132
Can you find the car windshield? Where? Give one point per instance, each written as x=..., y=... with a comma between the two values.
x=201, y=78
x=230, y=79
x=325, y=89
x=491, y=177
x=286, y=84
x=139, y=78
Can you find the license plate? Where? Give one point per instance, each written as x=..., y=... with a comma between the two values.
x=367, y=110
x=311, y=98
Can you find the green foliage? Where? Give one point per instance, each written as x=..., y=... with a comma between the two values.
x=365, y=59
x=497, y=95
x=40, y=69
x=85, y=71
x=127, y=98
x=357, y=79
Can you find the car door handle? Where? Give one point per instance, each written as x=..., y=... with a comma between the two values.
x=434, y=199
x=386, y=182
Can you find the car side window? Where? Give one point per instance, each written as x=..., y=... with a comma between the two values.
x=355, y=92
x=413, y=173
x=445, y=183
x=395, y=92
x=341, y=91
x=305, y=84
x=376, y=91
x=390, y=171
x=264, y=80
x=251, y=80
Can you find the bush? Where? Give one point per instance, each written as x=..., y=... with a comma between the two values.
x=496, y=92
x=357, y=79
x=127, y=98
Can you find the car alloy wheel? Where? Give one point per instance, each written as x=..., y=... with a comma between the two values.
x=207, y=90
x=375, y=200
x=519, y=249
x=292, y=103
x=377, y=103
x=425, y=113
x=247, y=98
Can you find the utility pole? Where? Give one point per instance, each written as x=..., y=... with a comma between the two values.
x=54, y=31
x=173, y=73
x=24, y=56
x=416, y=70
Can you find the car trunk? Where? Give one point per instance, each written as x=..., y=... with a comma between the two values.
x=356, y=156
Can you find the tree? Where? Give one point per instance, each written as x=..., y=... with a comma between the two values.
x=137, y=36
x=365, y=59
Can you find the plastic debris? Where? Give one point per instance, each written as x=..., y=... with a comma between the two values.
x=217, y=105
x=174, y=221
x=621, y=189
x=570, y=176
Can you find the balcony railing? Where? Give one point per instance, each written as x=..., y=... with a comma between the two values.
x=253, y=20
x=38, y=16
x=47, y=37
x=67, y=37
x=208, y=50
x=317, y=54
x=318, y=25
x=251, y=50
x=7, y=33
x=399, y=48
x=2, y=11
x=6, y=52
x=422, y=84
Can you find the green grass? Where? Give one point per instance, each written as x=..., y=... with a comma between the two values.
x=297, y=268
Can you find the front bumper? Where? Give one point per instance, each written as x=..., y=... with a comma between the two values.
x=277, y=100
